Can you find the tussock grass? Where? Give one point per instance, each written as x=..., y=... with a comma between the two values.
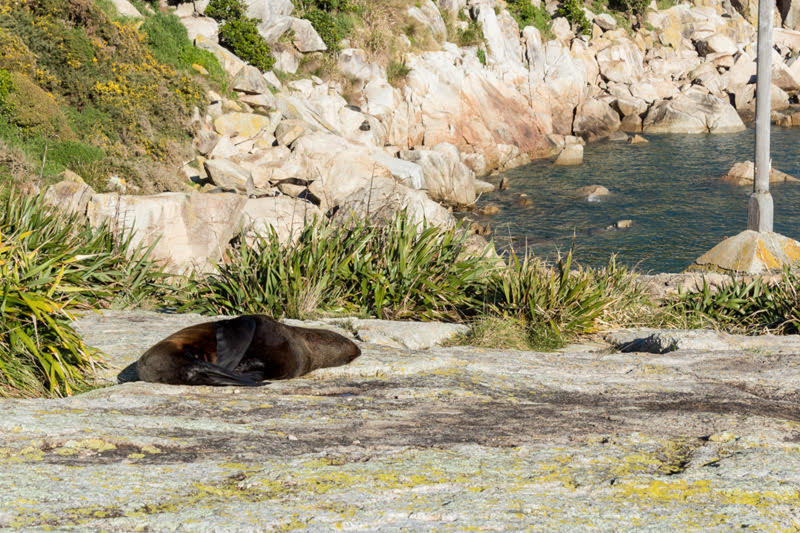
x=741, y=306
x=52, y=264
x=392, y=271
x=400, y=271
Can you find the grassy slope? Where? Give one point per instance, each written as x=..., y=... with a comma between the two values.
x=97, y=94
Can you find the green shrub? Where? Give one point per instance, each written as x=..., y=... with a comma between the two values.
x=242, y=38
x=331, y=27
x=481, y=56
x=527, y=14
x=332, y=19
x=223, y=10
x=632, y=7
x=35, y=110
x=74, y=155
x=556, y=303
x=6, y=87
x=96, y=80
x=573, y=11
x=396, y=271
x=51, y=264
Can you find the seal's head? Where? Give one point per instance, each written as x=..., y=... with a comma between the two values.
x=328, y=348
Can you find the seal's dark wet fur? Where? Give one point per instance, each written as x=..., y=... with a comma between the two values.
x=243, y=351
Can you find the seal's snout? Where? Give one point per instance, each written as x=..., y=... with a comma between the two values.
x=354, y=352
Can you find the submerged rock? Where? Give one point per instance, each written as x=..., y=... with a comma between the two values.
x=591, y=193
x=743, y=173
x=570, y=155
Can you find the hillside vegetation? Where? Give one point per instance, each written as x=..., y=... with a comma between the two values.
x=83, y=90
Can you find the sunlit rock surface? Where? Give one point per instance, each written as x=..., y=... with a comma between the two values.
x=447, y=438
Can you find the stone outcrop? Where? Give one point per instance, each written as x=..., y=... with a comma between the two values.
x=187, y=230
x=285, y=216
x=692, y=112
x=743, y=173
x=445, y=177
x=382, y=198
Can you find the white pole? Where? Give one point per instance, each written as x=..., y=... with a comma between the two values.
x=760, y=208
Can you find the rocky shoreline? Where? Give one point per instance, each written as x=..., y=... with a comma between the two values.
x=281, y=153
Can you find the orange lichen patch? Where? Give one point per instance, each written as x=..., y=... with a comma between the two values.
x=765, y=256
x=792, y=250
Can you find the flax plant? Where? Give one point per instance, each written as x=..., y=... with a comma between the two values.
x=52, y=264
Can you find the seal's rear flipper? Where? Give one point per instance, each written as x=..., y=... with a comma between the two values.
x=233, y=339
x=202, y=373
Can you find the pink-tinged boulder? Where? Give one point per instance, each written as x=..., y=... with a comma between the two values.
x=595, y=119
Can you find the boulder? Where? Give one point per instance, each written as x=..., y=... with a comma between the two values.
x=405, y=172
x=692, y=113
x=286, y=216
x=457, y=100
x=790, y=13
x=743, y=174
x=571, y=155
x=223, y=149
x=630, y=106
x=272, y=81
x=230, y=176
x=336, y=166
x=268, y=11
x=716, y=43
x=189, y=230
x=205, y=26
x=265, y=100
x=595, y=119
x=447, y=179
x=306, y=38
x=290, y=130
x=645, y=91
x=561, y=28
x=631, y=123
x=784, y=78
x=249, y=80
x=637, y=139
x=245, y=125
x=482, y=187
x=383, y=198
x=742, y=72
x=606, y=21
x=68, y=195
x=621, y=62
x=227, y=60
x=355, y=65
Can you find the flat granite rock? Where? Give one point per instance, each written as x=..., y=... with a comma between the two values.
x=455, y=438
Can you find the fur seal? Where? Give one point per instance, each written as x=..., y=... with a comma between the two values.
x=242, y=351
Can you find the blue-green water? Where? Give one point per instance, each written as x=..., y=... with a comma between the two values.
x=669, y=188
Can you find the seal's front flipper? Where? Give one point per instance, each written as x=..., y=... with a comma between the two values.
x=202, y=373
x=233, y=339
